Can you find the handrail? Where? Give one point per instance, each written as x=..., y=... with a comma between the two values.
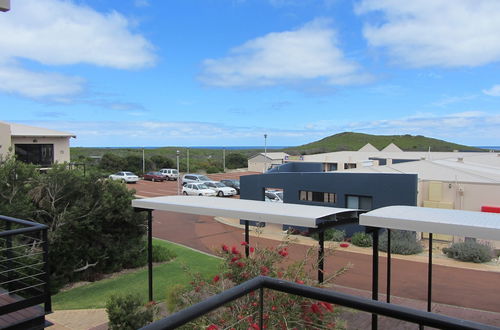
x=366, y=305
x=31, y=226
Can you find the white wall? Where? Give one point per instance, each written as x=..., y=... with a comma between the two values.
x=4, y=140
x=61, y=145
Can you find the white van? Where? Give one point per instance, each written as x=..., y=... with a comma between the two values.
x=169, y=173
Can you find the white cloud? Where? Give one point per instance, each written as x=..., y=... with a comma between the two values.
x=31, y=84
x=493, y=91
x=56, y=32
x=306, y=54
x=142, y=3
x=435, y=32
x=447, y=100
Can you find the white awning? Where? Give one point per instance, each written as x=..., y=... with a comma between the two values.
x=280, y=213
x=430, y=220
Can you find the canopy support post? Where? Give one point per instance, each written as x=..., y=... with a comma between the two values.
x=388, y=298
x=321, y=255
x=429, y=276
x=247, y=239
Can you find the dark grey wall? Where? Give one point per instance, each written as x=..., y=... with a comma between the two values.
x=384, y=188
x=297, y=167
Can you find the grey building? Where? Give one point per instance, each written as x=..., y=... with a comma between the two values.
x=306, y=184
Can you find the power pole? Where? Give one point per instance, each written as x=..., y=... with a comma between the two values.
x=265, y=153
x=224, y=159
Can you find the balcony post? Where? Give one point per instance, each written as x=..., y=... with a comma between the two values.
x=46, y=270
x=8, y=257
x=261, y=308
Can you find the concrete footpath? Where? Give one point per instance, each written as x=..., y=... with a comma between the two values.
x=78, y=319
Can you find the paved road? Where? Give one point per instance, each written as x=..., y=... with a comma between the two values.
x=453, y=286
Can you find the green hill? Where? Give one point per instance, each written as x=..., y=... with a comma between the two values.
x=354, y=141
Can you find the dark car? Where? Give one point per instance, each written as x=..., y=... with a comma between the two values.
x=233, y=184
x=154, y=176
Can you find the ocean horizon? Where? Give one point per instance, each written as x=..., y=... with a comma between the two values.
x=198, y=147
x=496, y=148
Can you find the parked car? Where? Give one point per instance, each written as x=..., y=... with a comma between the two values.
x=197, y=189
x=274, y=195
x=232, y=183
x=127, y=177
x=170, y=173
x=187, y=178
x=220, y=188
x=154, y=176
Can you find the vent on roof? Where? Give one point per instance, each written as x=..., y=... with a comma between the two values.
x=460, y=159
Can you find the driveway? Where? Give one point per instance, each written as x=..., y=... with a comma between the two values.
x=471, y=289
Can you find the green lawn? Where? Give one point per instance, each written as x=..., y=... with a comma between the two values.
x=165, y=276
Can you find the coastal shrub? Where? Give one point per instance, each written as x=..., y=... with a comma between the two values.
x=470, y=251
x=92, y=227
x=402, y=242
x=362, y=239
x=214, y=169
x=128, y=312
x=282, y=311
x=331, y=234
x=162, y=253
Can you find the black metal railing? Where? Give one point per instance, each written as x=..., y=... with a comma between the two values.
x=422, y=318
x=24, y=269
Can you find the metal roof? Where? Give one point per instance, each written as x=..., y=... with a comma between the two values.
x=280, y=213
x=21, y=130
x=430, y=220
x=441, y=170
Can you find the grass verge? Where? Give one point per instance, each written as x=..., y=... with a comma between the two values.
x=165, y=276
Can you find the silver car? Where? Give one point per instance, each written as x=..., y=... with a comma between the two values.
x=197, y=189
x=127, y=177
x=220, y=188
x=199, y=178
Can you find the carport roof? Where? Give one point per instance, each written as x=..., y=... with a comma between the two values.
x=280, y=213
x=430, y=220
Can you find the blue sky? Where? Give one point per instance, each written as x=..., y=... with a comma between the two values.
x=225, y=72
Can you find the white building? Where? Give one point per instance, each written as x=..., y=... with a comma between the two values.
x=261, y=162
x=470, y=182
x=36, y=145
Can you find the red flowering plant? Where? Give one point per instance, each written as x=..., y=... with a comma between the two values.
x=281, y=310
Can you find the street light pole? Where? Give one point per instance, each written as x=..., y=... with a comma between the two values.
x=265, y=153
x=178, y=179
x=187, y=160
x=224, y=159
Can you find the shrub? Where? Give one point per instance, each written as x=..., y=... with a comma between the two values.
x=402, y=242
x=362, y=239
x=128, y=312
x=331, y=234
x=470, y=251
x=162, y=253
x=283, y=311
x=214, y=169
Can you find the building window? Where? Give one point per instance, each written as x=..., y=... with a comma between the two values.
x=38, y=154
x=348, y=166
x=359, y=202
x=330, y=167
x=314, y=196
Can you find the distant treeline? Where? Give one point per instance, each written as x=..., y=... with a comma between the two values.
x=109, y=160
